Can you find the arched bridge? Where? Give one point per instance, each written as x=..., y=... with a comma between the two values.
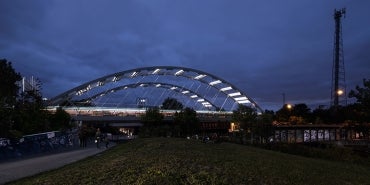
x=150, y=86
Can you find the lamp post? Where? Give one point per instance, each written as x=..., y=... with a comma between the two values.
x=289, y=106
x=340, y=92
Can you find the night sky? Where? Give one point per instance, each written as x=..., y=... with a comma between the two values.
x=265, y=48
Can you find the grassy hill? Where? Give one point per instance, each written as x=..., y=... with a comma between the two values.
x=181, y=161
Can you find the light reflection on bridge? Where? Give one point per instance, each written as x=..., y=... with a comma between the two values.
x=109, y=113
x=130, y=118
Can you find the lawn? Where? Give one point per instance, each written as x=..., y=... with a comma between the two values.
x=182, y=161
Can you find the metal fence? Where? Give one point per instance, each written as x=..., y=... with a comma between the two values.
x=36, y=144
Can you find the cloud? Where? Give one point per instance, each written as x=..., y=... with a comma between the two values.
x=264, y=48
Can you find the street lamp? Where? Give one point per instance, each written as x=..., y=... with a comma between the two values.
x=340, y=92
x=289, y=106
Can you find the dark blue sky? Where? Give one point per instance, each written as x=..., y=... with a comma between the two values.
x=265, y=48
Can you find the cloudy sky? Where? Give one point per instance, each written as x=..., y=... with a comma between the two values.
x=265, y=48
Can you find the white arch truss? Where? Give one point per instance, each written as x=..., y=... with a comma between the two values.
x=191, y=83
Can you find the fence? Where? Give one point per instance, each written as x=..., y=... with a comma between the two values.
x=37, y=144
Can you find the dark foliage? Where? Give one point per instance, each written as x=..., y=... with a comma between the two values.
x=171, y=104
x=60, y=120
x=187, y=121
x=8, y=96
x=24, y=112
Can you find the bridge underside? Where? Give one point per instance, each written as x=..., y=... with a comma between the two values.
x=132, y=123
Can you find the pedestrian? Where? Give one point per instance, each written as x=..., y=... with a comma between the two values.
x=106, y=140
x=82, y=134
x=97, y=137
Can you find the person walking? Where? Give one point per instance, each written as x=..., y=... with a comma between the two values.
x=97, y=137
x=82, y=135
x=106, y=140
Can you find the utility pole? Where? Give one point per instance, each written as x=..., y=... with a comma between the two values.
x=338, y=73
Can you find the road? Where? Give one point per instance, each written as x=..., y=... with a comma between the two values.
x=10, y=171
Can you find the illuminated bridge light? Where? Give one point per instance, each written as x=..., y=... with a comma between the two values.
x=173, y=88
x=206, y=104
x=156, y=71
x=200, y=100
x=241, y=98
x=179, y=72
x=185, y=92
x=215, y=82
x=234, y=94
x=243, y=101
x=134, y=74
x=115, y=79
x=199, y=77
x=99, y=83
x=226, y=89
x=158, y=85
x=194, y=96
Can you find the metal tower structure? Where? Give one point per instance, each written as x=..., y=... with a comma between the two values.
x=29, y=84
x=338, y=89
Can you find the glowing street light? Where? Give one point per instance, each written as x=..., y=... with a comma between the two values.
x=340, y=92
x=289, y=106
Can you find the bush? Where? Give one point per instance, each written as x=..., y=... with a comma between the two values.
x=318, y=150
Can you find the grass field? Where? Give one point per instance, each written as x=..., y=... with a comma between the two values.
x=181, y=161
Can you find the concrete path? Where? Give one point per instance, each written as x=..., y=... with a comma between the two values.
x=10, y=171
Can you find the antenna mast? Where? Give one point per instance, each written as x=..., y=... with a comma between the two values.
x=338, y=74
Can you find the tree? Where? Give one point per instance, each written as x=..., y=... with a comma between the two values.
x=297, y=114
x=31, y=114
x=283, y=114
x=264, y=125
x=188, y=121
x=246, y=117
x=171, y=104
x=60, y=120
x=152, y=116
x=8, y=96
x=362, y=95
x=8, y=83
x=301, y=110
x=152, y=122
x=321, y=115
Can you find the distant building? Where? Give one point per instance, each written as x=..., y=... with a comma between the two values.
x=29, y=84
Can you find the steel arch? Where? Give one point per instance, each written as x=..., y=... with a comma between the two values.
x=220, y=84
x=184, y=91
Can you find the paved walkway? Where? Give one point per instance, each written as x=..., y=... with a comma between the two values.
x=10, y=171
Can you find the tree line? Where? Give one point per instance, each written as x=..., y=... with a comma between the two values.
x=185, y=122
x=355, y=113
x=23, y=112
x=261, y=125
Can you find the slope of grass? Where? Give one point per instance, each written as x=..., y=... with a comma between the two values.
x=181, y=161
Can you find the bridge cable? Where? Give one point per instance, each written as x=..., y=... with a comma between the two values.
x=189, y=98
